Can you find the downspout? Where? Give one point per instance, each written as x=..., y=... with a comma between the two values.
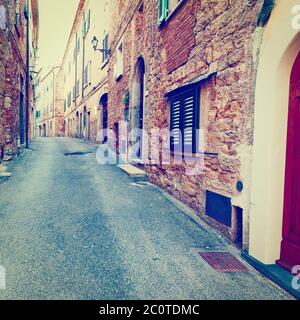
x=27, y=75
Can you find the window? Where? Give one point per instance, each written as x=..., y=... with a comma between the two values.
x=166, y=7
x=86, y=75
x=69, y=99
x=74, y=93
x=119, y=62
x=105, y=46
x=65, y=105
x=17, y=16
x=77, y=88
x=184, y=122
x=86, y=22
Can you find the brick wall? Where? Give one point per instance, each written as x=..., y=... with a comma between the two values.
x=12, y=66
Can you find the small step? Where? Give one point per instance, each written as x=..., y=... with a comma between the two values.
x=132, y=171
x=3, y=168
x=5, y=174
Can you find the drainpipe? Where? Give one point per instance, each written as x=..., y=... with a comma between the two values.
x=26, y=13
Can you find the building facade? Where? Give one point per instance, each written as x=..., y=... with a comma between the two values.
x=50, y=104
x=18, y=48
x=188, y=68
x=86, y=72
x=203, y=96
x=201, y=70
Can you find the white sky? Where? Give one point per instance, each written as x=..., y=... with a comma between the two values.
x=56, y=20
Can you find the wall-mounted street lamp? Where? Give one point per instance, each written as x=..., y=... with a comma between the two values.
x=95, y=43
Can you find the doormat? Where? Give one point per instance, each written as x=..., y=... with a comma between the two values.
x=223, y=262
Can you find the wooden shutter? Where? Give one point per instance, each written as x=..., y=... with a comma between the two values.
x=106, y=46
x=103, y=52
x=176, y=120
x=162, y=10
x=185, y=110
x=188, y=125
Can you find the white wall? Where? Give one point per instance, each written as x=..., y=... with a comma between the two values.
x=281, y=44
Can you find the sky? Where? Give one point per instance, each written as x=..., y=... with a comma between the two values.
x=56, y=20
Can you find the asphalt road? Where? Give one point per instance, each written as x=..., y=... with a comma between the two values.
x=73, y=229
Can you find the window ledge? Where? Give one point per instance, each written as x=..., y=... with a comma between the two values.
x=119, y=77
x=104, y=63
x=193, y=155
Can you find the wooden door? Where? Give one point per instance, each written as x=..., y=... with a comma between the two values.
x=290, y=246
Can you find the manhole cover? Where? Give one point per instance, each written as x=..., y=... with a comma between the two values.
x=223, y=262
x=77, y=153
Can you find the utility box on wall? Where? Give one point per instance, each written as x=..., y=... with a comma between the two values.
x=219, y=208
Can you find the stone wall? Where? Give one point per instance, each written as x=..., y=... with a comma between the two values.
x=12, y=54
x=12, y=68
x=200, y=38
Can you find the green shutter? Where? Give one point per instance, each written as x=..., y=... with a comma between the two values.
x=162, y=10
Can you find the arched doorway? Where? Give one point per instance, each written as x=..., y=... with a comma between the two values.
x=290, y=245
x=103, y=117
x=267, y=200
x=77, y=124
x=137, y=112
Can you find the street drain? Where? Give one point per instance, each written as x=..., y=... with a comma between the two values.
x=77, y=153
x=223, y=262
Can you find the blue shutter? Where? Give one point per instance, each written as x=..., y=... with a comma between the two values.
x=176, y=124
x=162, y=10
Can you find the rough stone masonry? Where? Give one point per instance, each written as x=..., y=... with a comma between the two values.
x=199, y=38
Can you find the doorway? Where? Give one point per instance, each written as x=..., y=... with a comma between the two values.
x=137, y=112
x=290, y=245
x=103, y=117
x=77, y=124
x=89, y=125
x=80, y=127
x=21, y=119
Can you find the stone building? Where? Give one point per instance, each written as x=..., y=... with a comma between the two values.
x=50, y=104
x=86, y=71
x=187, y=66
x=15, y=126
x=203, y=96
x=222, y=77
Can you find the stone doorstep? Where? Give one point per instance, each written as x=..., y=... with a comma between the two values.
x=277, y=274
x=5, y=174
x=132, y=171
x=3, y=168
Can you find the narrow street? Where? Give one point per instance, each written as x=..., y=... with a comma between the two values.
x=73, y=229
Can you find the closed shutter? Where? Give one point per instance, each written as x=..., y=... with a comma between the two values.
x=188, y=126
x=176, y=124
x=89, y=21
x=103, y=52
x=185, y=110
x=162, y=10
